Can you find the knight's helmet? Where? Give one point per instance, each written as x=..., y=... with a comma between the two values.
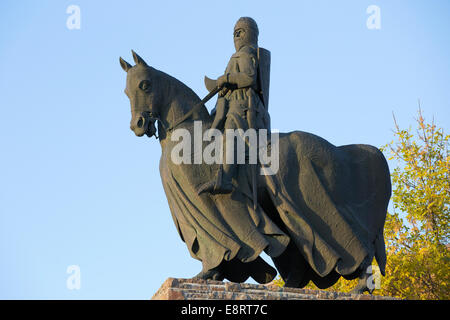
x=251, y=38
x=251, y=28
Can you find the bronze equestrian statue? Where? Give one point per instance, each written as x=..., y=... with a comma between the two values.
x=320, y=216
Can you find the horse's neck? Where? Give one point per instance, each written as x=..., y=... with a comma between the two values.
x=180, y=100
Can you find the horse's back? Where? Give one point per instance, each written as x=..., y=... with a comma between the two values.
x=360, y=169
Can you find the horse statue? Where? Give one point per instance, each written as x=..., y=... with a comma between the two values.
x=319, y=217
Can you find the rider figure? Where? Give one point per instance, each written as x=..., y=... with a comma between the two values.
x=240, y=104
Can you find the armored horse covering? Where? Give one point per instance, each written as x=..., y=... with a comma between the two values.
x=328, y=202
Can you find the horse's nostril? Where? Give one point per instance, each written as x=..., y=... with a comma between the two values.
x=140, y=122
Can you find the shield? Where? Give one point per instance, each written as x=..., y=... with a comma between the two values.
x=264, y=75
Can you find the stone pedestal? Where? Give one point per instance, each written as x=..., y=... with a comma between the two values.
x=188, y=289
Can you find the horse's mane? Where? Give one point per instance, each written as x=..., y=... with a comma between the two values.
x=182, y=98
x=176, y=87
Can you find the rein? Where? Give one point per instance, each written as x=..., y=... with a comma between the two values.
x=187, y=115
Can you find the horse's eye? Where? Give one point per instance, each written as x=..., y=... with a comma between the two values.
x=144, y=85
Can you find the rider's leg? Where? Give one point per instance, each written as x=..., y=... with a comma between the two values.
x=222, y=184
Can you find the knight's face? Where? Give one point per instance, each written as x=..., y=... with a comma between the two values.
x=241, y=37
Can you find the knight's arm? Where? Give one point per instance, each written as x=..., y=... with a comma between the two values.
x=247, y=77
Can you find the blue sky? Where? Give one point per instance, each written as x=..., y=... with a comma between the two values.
x=77, y=187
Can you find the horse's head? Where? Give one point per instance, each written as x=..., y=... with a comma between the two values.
x=144, y=94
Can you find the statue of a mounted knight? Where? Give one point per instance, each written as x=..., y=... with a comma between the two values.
x=319, y=216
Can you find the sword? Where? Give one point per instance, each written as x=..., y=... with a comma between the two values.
x=251, y=118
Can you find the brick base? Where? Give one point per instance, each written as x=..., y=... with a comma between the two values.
x=189, y=289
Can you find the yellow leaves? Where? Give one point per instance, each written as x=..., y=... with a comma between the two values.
x=417, y=243
x=423, y=251
x=278, y=281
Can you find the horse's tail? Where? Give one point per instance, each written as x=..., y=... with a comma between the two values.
x=380, y=252
x=380, y=247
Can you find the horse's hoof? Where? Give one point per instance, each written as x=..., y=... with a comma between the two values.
x=209, y=275
x=357, y=291
x=264, y=277
x=360, y=289
x=293, y=280
x=261, y=271
x=362, y=285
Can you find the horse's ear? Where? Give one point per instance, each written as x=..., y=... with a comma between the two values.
x=125, y=65
x=138, y=59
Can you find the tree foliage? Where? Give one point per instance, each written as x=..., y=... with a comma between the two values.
x=417, y=231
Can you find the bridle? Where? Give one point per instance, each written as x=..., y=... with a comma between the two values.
x=156, y=116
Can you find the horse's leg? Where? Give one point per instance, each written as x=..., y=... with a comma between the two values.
x=292, y=267
x=362, y=285
x=290, y=264
x=323, y=282
x=261, y=271
x=211, y=274
x=238, y=271
x=364, y=277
